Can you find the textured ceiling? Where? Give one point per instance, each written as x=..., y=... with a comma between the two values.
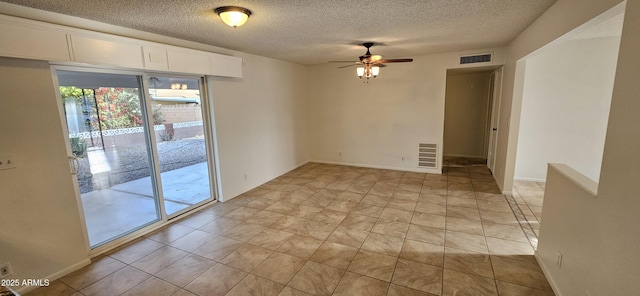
x=311, y=32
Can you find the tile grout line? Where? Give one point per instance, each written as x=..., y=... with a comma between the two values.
x=493, y=272
x=522, y=221
x=514, y=206
x=444, y=240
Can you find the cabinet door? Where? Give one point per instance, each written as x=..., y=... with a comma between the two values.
x=155, y=58
x=188, y=61
x=31, y=43
x=106, y=52
x=226, y=66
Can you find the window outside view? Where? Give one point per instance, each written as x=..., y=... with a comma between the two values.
x=106, y=125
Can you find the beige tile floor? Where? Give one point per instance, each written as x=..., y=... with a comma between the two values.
x=529, y=196
x=331, y=230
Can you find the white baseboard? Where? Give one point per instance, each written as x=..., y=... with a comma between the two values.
x=56, y=275
x=502, y=191
x=384, y=167
x=465, y=156
x=223, y=199
x=544, y=268
x=529, y=179
x=297, y=166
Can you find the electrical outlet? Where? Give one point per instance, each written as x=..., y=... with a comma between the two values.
x=559, y=260
x=7, y=162
x=5, y=270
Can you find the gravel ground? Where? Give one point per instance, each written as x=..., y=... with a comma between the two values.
x=129, y=164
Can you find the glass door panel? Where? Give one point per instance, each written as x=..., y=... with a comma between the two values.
x=181, y=142
x=110, y=143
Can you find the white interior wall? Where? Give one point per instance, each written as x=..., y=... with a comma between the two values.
x=421, y=86
x=560, y=18
x=618, y=200
x=261, y=123
x=380, y=123
x=466, y=110
x=568, y=228
x=40, y=225
x=565, y=107
x=599, y=236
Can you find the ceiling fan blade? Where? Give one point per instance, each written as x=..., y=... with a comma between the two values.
x=347, y=66
x=393, y=61
x=360, y=64
x=371, y=60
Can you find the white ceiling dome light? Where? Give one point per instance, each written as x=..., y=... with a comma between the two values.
x=233, y=16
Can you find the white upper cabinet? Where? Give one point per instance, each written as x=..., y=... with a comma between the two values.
x=106, y=52
x=22, y=38
x=155, y=58
x=188, y=61
x=226, y=66
x=31, y=43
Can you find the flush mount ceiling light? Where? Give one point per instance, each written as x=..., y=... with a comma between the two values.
x=233, y=16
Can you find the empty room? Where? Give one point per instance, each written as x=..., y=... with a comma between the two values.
x=319, y=148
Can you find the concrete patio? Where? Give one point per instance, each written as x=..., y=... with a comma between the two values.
x=112, y=212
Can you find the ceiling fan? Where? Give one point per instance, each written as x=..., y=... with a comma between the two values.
x=370, y=64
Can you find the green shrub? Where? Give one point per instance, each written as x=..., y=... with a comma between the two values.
x=78, y=147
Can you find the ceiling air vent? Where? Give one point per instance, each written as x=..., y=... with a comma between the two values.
x=477, y=58
x=428, y=155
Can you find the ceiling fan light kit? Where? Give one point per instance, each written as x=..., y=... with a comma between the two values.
x=370, y=64
x=368, y=72
x=233, y=16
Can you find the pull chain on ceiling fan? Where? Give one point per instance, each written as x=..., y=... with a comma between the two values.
x=370, y=64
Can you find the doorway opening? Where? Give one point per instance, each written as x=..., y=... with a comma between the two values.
x=567, y=87
x=469, y=127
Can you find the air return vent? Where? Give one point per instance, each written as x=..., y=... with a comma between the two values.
x=428, y=155
x=476, y=58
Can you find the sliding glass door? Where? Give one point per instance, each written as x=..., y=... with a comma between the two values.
x=181, y=142
x=137, y=158
x=113, y=161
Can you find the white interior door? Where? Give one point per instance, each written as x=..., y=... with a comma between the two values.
x=495, y=116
